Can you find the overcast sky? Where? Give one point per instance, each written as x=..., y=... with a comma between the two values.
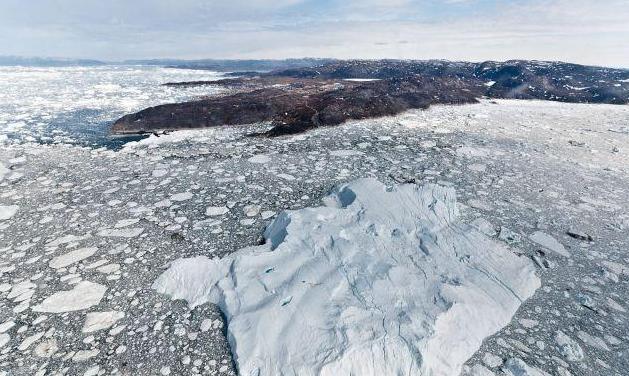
x=583, y=31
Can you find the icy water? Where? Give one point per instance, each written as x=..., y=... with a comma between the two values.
x=94, y=241
x=78, y=104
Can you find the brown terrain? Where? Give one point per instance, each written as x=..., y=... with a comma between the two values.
x=295, y=100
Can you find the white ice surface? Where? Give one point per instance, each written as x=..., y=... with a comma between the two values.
x=127, y=232
x=378, y=282
x=71, y=257
x=84, y=295
x=7, y=211
x=549, y=242
x=95, y=321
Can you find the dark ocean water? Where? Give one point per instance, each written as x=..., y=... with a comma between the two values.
x=78, y=105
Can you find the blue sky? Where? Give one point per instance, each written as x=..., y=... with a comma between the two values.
x=584, y=31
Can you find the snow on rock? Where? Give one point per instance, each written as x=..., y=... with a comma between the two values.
x=377, y=282
x=7, y=211
x=84, y=295
x=72, y=257
x=549, y=242
x=95, y=321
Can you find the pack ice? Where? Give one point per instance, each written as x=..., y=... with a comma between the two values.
x=376, y=282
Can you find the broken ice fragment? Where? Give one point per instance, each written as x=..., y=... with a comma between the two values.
x=326, y=291
x=72, y=257
x=95, y=321
x=7, y=211
x=212, y=211
x=549, y=242
x=84, y=295
x=121, y=232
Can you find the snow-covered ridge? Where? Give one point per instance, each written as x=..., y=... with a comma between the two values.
x=377, y=282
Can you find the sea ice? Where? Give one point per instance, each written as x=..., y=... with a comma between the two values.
x=213, y=211
x=7, y=211
x=549, y=242
x=181, y=196
x=95, y=321
x=379, y=281
x=84, y=295
x=131, y=232
x=260, y=159
x=72, y=257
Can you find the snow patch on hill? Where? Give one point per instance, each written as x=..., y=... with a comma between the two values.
x=377, y=282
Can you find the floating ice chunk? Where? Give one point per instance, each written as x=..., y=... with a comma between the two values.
x=378, y=282
x=477, y=370
x=72, y=257
x=83, y=355
x=67, y=239
x=251, y=210
x=592, y=341
x=159, y=173
x=213, y=211
x=478, y=167
x=259, y=158
x=4, y=339
x=472, y=152
x=95, y=321
x=84, y=295
x=568, y=347
x=345, y=153
x=92, y=371
x=4, y=171
x=126, y=222
x=288, y=177
x=47, y=348
x=163, y=203
x=121, y=232
x=549, y=242
x=517, y=367
x=181, y=196
x=267, y=214
x=28, y=341
x=6, y=326
x=484, y=226
x=7, y=211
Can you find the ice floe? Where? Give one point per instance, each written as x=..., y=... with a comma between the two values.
x=7, y=211
x=84, y=295
x=549, y=242
x=72, y=257
x=95, y=321
x=379, y=281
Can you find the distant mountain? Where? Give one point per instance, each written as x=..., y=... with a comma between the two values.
x=241, y=65
x=220, y=65
x=521, y=79
x=47, y=62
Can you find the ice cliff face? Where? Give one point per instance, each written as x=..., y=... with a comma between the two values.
x=376, y=282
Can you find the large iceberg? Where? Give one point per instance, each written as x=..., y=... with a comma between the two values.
x=377, y=282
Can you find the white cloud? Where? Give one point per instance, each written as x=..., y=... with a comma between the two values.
x=577, y=30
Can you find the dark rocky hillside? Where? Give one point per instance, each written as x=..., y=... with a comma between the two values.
x=297, y=99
